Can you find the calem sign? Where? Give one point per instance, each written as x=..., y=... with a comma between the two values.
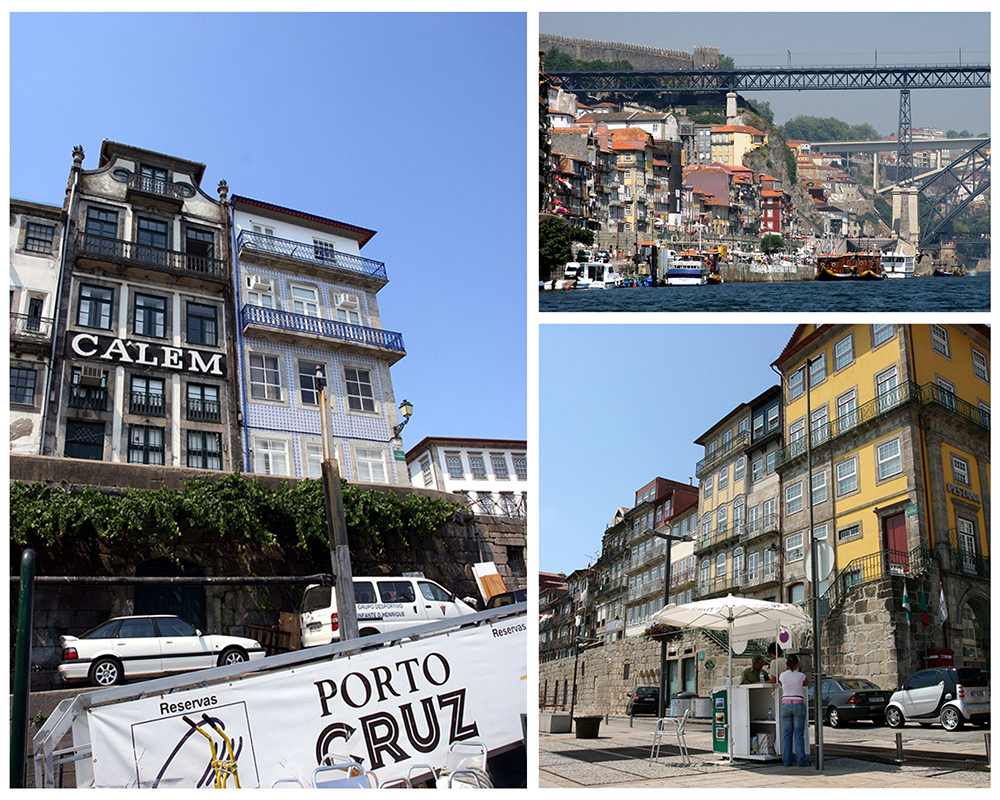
x=144, y=354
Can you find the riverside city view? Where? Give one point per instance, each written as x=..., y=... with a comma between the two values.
x=662, y=169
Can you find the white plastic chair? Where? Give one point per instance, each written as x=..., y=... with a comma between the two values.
x=464, y=768
x=671, y=726
x=345, y=775
x=287, y=783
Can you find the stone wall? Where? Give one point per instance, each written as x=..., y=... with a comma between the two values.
x=639, y=56
x=602, y=684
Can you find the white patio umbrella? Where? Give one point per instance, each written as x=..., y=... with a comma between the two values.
x=743, y=617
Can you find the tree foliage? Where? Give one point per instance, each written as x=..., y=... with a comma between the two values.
x=241, y=515
x=963, y=134
x=557, y=61
x=555, y=245
x=771, y=243
x=827, y=129
x=726, y=62
x=763, y=109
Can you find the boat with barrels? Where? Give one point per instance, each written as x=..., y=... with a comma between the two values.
x=850, y=267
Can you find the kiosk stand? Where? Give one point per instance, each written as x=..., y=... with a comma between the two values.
x=755, y=722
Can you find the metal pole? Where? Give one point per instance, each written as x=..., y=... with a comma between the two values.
x=661, y=705
x=22, y=673
x=576, y=664
x=814, y=583
x=340, y=552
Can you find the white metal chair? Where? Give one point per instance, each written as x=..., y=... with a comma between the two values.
x=344, y=775
x=464, y=768
x=671, y=726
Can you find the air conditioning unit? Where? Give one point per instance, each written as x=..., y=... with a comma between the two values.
x=258, y=283
x=347, y=300
x=91, y=376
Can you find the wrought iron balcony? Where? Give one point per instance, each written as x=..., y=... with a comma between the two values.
x=315, y=326
x=718, y=536
x=963, y=559
x=609, y=586
x=92, y=397
x=709, y=462
x=147, y=404
x=758, y=527
x=121, y=252
x=721, y=584
x=318, y=254
x=25, y=328
x=758, y=577
x=203, y=410
x=157, y=187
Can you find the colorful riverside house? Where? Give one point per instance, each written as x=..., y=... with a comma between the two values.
x=735, y=546
x=900, y=422
x=731, y=142
x=305, y=302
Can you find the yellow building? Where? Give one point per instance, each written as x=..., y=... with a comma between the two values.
x=898, y=417
x=731, y=142
x=634, y=160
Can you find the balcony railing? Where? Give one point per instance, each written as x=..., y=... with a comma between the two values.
x=508, y=505
x=147, y=404
x=609, y=586
x=961, y=558
x=717, y=457
x=714, y=586
x=315, y=326
x=758, y=527
x=93, y=398
x=908, y=392
x=159, y=187
x=872, y=567
x=313, y=253
x=30, y=329
x=203, y=410
x=118, y=250
x=719, y=536
x=655, y=553
x=758, y=577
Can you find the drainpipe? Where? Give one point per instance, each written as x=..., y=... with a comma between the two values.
x=240, y=389
x=78, y=156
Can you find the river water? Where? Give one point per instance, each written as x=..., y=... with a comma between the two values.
x=968, y=293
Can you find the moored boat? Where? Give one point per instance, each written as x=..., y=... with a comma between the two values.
x=897, y=265
x=958, y=272
x=687, y=269
x=849, y=266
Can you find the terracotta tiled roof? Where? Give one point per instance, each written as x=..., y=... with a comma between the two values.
x=627, y=145
x=737, y=129
x=770, y=193
x=631, y=133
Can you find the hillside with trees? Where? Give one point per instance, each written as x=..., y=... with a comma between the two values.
x=827, y=129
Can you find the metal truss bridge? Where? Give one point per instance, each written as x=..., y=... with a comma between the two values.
x=772, y=79
x=952, y=189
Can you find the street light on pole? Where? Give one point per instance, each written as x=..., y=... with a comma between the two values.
x=814, y=583
x=668, y=538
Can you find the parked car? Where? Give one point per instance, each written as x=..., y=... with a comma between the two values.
x=604, y=256
x=643, y=700
x=128, y=647
x=851, y=699
x=383, y=604
x=508, y=598
x=949, y=695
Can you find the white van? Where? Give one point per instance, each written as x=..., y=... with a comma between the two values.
x=383, y=604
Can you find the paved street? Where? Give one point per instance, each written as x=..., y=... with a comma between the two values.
x=620, y=757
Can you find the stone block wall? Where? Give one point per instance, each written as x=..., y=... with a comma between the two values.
x=602, y=687
x=639, y=56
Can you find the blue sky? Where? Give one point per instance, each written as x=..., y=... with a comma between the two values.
x=412, y=125
x=764, y=39
x=623, y=404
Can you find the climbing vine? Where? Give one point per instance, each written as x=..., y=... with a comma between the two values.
x=240, y=514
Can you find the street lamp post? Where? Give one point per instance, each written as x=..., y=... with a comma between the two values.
x=814, y=583
x=668, y=538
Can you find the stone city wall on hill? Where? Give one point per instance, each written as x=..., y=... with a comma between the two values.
x=642, y=57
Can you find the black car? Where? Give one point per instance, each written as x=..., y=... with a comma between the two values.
x=643, y=700
x=851, y=699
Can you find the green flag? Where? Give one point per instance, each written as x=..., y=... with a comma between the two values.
x=906, y=603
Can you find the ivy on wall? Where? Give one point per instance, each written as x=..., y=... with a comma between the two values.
x=240, y=514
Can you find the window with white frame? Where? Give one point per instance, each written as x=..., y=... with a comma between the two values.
x=477, y=465
x=797, y=431
x=939, y=340
x=371, y=465
x=706, y=530
x=843, y=352
x=707, y=489
x=980, y=365
x=723, y=477
x=960, y=470
x=887, y=389
x=260, y=291
x=794, y=550
x=309, y=381
x=324, y=251
x=305, y=300
x=817, y=370
x=818, y=494
x=314, y=459
x=270, y=456
x=847, y=411
x=720, y=565
x=454, y=464
x=738, y=563
x=740, y=469
x=772, y=418
x=425, y=468
x=796, y=384
x=793, y=498
x=771, y=459
x=721, y=518
x=263, y=229
x=882, y=334
x=756, y=470
x=348, y=308
x=946, y=393
x=739, y=509
x=889, y=459
x=848, y=533
x=847, y=476
x=744, y=426
x=520, y=467
x=819, y=532
x=265, y=377
x=499, y=464
x=758, y=426
x=820, y=430
x=360, y=390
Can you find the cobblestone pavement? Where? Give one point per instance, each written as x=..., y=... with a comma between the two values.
x=620, y=758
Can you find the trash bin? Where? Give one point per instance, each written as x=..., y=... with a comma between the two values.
x=701, y=708
x=681, y=702
x=588, y=727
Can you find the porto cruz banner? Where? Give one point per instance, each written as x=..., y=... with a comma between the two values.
x=387, y=708
x=144, y=354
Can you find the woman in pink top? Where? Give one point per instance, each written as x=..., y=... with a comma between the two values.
x=793, y=712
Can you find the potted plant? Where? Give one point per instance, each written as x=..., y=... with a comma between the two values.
x=660, y=631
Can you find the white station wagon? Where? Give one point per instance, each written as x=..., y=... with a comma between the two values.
x=129, y=647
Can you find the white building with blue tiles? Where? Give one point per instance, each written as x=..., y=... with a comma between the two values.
x=306, y=299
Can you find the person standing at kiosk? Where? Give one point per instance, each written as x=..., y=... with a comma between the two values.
x=793, y=712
